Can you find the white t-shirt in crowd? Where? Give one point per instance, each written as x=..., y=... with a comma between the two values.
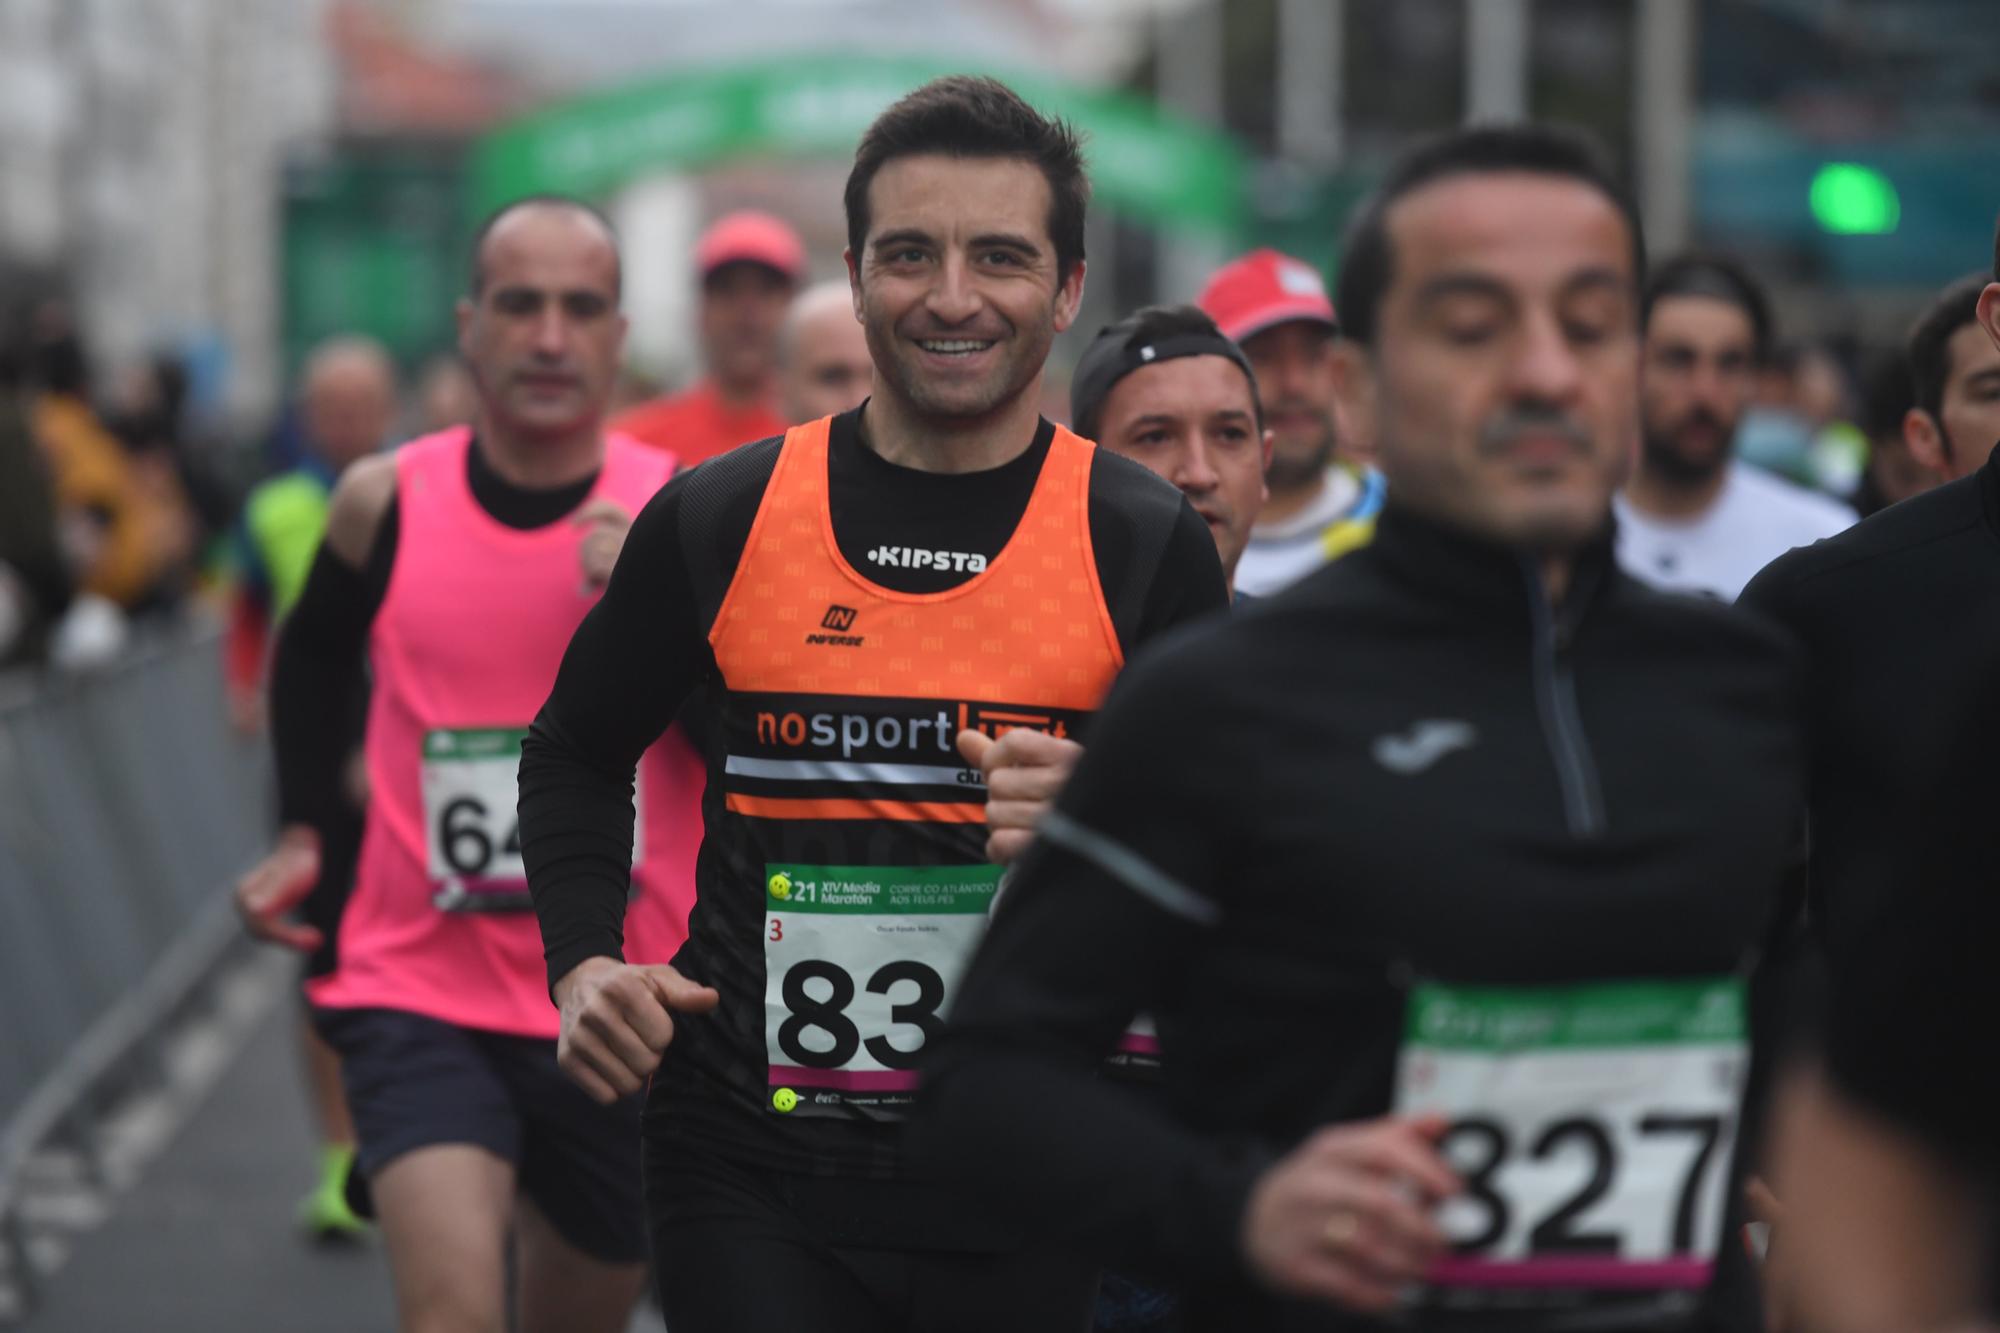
x=1340, y=518
x=1755, y=519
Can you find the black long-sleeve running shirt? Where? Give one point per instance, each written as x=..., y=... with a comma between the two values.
x=643, y=651
x=1408, y=767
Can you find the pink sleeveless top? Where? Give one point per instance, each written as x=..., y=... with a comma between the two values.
x=464, y=649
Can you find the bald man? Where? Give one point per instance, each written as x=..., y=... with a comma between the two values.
x=457, y=570
x=823, y=365
x=347, y=403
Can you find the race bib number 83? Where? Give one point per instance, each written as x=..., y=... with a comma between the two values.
x=1593, y=1127
x=860, y=963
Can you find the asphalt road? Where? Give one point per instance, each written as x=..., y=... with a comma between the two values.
x=204, y=1241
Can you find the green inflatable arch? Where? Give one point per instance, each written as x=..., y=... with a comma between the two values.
x=1144, y=162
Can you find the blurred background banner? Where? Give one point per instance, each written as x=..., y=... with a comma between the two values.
x=230, y=180
x=1149, y=163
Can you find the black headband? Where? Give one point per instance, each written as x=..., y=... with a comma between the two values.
x=1113, y=355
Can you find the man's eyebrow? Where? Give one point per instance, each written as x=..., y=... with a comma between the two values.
x=1982, y=379
x=1154, y=419
x=901, y=236
x=1447, y=285
x=1008, y=240
x=1594, y=279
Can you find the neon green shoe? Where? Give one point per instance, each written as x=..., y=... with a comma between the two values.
x=323, y=1214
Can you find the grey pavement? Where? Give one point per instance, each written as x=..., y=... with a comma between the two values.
x=204, y=1241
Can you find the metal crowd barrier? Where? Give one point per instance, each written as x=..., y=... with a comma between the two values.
x=128, y=806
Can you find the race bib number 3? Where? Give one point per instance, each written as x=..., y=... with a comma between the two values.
x=472, y=836
x=1593, y=1127
x=860, y=963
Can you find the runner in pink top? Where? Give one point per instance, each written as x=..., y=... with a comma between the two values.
x=463, y=650
x=458, y=568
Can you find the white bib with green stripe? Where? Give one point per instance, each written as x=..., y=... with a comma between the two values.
x=1593, y=1126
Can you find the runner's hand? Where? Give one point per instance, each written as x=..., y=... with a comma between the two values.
x=1025, y=772
x=1347, y=1217
x=279, y=883
x=616, y=1020
x=606, y=523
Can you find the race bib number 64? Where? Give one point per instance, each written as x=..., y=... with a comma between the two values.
x=1593, y=1127
x=472, y=837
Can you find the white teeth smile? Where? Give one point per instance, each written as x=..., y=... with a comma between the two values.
x=952, y=347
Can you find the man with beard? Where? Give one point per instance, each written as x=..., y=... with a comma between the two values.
x=1323, y=494
x=849, y=597
x=1693, y=518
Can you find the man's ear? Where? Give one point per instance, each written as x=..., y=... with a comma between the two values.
x=1989, y=311
x=1926, y=440
x=1069, y=297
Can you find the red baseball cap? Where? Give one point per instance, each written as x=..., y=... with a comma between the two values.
x=750, y=237
x=1264, y=289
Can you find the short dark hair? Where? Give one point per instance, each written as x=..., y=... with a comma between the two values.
x=1930, y=339
x=1717, y=277
x=966, y=116
x=1367, y=258
x=1149, y=326
x=477, y=276
x=1886, y=395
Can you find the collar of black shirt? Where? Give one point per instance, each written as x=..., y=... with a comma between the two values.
x=1486, y=576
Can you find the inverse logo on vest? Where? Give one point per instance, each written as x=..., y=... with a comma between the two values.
x=837, y=617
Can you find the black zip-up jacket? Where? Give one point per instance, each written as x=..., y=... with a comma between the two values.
x=1411, y=765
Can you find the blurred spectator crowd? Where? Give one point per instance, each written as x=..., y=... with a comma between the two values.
x=121, y=511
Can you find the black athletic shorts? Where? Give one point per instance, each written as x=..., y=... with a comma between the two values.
x=415, y=1082
x=740, y=1249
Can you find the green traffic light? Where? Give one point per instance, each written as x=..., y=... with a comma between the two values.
x=1852, y=200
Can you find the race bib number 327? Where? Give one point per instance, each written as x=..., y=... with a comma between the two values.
x=1593, y=1127
x=860, y=964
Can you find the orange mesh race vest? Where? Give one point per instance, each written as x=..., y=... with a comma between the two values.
x=843, y=794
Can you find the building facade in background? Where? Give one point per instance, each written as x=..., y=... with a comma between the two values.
x=141, y=142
